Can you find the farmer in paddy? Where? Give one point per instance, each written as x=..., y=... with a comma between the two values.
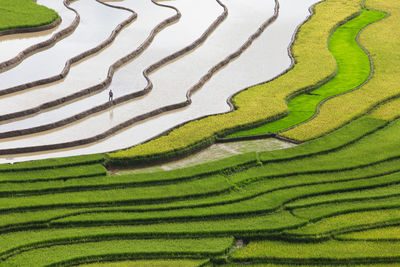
x=110, y=95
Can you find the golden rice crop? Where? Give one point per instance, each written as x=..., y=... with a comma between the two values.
x=314, y=64
x=388, y=111
x=380, y=41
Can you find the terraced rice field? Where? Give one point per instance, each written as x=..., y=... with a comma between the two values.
x=25, y=16
x=320, y=75
x=57, y=110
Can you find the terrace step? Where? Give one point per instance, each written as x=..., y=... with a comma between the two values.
x=24, y=48
x=78, y=118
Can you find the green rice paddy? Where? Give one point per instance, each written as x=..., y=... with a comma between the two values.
x=24, y=13
x=353, y=69
x=331, y=201
x=285, y=198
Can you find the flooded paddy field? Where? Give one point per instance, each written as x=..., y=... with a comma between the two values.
x=263, y=60
x=11, y=45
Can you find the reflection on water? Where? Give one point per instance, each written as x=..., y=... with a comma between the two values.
x=92, y=30
x=111, y=113
x=129, y=78
x=266, y=58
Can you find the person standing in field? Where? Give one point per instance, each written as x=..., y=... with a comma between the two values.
x=110, y=95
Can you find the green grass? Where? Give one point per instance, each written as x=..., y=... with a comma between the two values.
x=206, y=187
x=123, y=195
x=63, y=173
x=276, y=191
x=299, y=264
x=344, y=136
x=320, y=253
x=150, y=263
x=24, y=14
x=184, y=215
x=290, y=186
x=119, y=249
x=387, y=111
x=279, y=193
x=353, y=69
x=14, y=241
x=345, y=222
x=376, y=145
x=340, y=186
x=380, y=192
x=261, y=102
x=386, y=233
x=326, y=210
x=379, y=146
x=379, y=41
x=55, y=184
x=221, y=183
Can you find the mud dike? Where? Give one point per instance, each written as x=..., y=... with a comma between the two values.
x=166, y=62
